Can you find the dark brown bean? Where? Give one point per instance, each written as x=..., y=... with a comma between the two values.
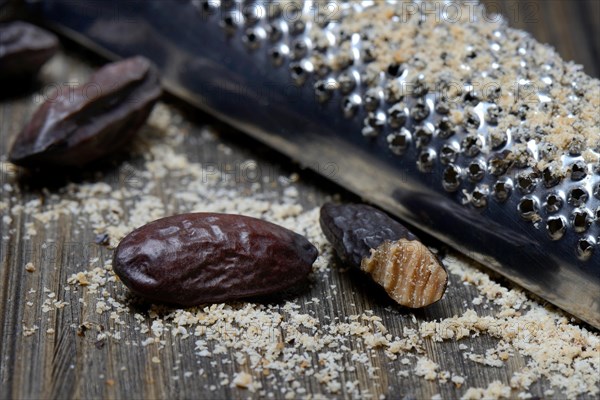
x=382, y=247
x=355, y=229
x=191, y=259
x=95, y=120
x=24, y=48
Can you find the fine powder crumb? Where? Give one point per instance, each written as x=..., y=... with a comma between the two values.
x=426, y=368
x=287, y=344
x=458, y=380
x=495, y=390
x=242, y=380
x=28, y=331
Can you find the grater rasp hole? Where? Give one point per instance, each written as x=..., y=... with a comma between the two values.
x=298, y=72
x=423, y=135
x=394, y=69
x=274, y=32
x=277, y=55
x=528, y=208
x=492, y=114
x=451, y=178
x=419, y=86
x=476, y=170
x=499, y=163
x=578, y=170
x=419, y=111
x=299, y=49
x=392, y=92
x=498, y=139
x=471, y=119
x=551, y=176
x=373, y=124
x=252, y=38
x=479, y=196
x=445, y=128
x=398, y=142
x=553, y=202
x=372, y=99
x=503, y=189
x=585, y=248
x=347, y=82
x=442, y=107
x=350, y=105
x=449, y=153
x=471, y=98
x=324, y=89
x=577, y=196
x=526, y=181
x=426, y=160
x=397, y=115
x=581, y=220
x=471, y=144
x=230, y=23
x=556, y=227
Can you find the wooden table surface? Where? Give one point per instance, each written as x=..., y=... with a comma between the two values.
x=67, y=365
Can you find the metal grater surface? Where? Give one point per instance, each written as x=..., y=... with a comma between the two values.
x=486, y=143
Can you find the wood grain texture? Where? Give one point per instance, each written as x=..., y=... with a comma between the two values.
x=66, y=365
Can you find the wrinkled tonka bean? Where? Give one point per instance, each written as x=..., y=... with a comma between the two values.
x=191, y=259
x=380, y=246
x=76, y=127
x=24, y=49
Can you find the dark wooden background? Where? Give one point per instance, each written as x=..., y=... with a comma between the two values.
x=64, y=365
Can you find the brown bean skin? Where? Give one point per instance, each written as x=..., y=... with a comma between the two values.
x=355, y=229
x=24, y=49
x=197, y=258
x=95, y=120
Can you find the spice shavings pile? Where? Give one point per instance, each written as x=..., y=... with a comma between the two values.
x=541, y=97
x=288, y=342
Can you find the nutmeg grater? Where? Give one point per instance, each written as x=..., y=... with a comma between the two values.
x=436, y=111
